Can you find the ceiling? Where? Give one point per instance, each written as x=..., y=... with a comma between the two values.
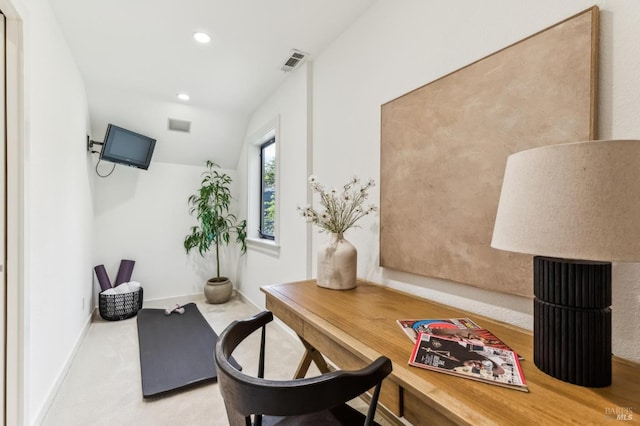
x=136, y=55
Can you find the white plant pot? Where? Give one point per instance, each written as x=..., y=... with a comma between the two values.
x=337, y=263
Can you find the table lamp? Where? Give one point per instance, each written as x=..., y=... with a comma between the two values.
x=576, y=208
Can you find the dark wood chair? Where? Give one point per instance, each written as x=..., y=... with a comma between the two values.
x=314, y=401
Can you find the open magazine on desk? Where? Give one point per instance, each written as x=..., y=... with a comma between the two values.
x=483, y=363
x=463, y=329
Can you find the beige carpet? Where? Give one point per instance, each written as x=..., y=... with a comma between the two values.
x=103, y=384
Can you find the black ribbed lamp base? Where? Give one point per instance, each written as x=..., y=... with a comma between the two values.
x=572, y=320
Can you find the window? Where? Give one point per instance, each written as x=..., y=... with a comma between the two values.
x=263, y=190
x=268, y=189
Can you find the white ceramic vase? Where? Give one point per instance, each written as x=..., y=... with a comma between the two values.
x=337, y=263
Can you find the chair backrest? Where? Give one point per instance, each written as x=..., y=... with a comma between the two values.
x=246, y=395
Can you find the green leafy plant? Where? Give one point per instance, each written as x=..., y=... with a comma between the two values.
x=269, y=206
x=216, y=224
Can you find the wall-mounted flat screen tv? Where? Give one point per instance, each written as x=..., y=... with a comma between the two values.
x=123, y=146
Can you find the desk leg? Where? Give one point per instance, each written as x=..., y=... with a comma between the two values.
x=310, y=354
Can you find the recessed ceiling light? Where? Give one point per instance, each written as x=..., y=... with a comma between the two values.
x=201, y=37
x=183, y=96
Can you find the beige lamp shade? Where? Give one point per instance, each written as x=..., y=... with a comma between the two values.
x=573, y=201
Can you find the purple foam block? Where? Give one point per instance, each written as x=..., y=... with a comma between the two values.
x=124, y=271
x=103, y=277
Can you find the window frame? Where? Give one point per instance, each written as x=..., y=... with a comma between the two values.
x=255, y=242
x=263, y=146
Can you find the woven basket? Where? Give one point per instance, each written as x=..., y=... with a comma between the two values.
x=115, y=307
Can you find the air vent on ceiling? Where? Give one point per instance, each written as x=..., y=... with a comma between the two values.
x=295, y=59
x=179, y=125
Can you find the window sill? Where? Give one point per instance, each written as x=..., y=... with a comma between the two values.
x=264, y=246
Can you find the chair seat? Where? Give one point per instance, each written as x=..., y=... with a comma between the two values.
x=341, y=415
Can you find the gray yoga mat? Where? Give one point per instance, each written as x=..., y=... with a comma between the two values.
x=175, y=350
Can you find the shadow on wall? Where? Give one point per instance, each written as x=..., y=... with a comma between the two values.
x=202, y=266
x=516, y=310
x=115, y=190
x=205, y=267
x=372, y=263
x=626, y=315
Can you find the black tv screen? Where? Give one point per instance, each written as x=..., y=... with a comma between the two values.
x=123, y=146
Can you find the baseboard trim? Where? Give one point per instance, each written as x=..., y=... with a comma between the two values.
x=44, y=409
x=245, y=299
x=186, y=297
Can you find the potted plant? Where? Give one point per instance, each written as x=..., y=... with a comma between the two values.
x=216, y=224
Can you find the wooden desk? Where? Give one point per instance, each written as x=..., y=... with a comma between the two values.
x=354, y=327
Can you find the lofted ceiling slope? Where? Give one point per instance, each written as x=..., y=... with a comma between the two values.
x=136, y=55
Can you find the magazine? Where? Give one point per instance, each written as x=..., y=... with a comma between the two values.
x=452, y=328
x=477, y=362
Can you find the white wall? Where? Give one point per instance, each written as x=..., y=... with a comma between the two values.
x=143, y=216
x=290, y=104
x=398, y=46
x=58, y=222
x=393, y=48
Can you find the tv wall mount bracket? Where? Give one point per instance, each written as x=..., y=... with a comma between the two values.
x=90, y=145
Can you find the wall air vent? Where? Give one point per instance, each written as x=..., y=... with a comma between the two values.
x=295, y=59
x=179, y=125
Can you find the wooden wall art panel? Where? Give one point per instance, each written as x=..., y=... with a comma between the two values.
x=444, y=148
